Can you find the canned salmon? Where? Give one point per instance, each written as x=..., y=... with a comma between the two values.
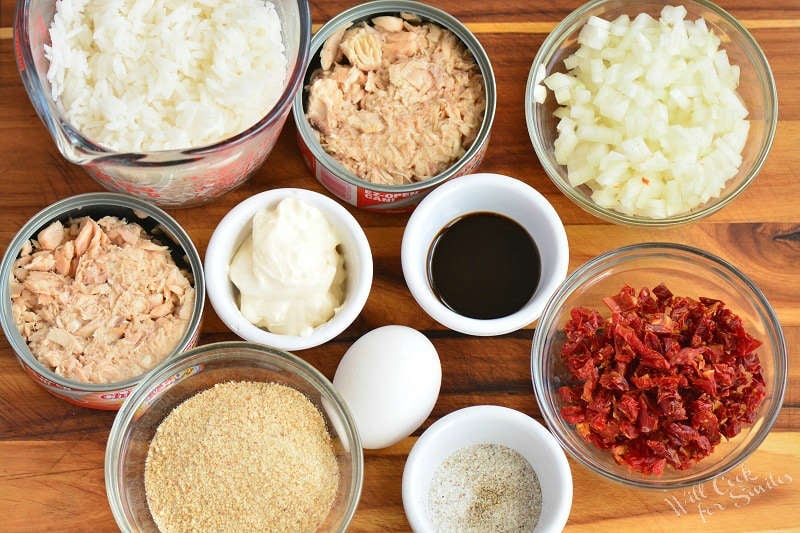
x=160, y=227
x=343, y=183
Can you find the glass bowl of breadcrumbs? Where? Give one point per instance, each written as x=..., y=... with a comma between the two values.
x=234, y=436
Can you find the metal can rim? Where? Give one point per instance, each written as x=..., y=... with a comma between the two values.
x=427, y=12
x=54, y=211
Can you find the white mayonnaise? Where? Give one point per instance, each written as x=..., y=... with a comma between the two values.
x=289, y=272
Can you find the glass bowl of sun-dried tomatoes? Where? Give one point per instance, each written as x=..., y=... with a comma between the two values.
x=659, y=365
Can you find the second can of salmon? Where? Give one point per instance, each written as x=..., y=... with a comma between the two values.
x=399, y=97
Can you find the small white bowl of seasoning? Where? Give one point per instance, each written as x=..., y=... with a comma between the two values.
x=288, y=268
x=487, y=468
x=483, y=253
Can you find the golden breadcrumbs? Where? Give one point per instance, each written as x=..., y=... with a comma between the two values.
x=242, y=456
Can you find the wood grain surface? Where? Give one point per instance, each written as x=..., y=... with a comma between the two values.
x=51, y=453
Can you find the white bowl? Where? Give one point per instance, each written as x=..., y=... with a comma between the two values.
x=489, y=424
x=484, y=193
x=236, y=226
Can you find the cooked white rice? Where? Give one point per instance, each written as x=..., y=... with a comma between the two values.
x=143, y=75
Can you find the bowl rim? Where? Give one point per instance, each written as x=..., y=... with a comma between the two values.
x=553, y=41
x=483, y=416
x=60, y=129
x=419, y=222
x=171, y=372
x=216, y=266
x=89, y=201
x=554, y=305
x=433, y=14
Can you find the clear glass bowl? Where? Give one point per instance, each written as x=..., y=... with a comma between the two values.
x=685, y=271
x=170, y=384
x=756, y=88
x=168, y=177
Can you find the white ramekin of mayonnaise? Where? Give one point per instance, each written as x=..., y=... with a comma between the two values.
x=289, y=268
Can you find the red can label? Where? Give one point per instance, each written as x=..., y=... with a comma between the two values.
x=340, y=188
x=367, y=198
x=107, y=401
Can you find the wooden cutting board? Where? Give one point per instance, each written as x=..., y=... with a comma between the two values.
x=51, y=453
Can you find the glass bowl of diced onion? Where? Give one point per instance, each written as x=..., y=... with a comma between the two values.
x=651, y=115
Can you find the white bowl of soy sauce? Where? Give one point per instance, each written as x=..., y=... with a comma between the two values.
x=483, y=253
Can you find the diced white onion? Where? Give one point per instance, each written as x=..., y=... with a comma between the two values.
x=650, y=120
x=539, y=90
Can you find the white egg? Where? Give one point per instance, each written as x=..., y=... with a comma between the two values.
x=390, y=379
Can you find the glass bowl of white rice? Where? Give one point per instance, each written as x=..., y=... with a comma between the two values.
x=649, y=114
x=174, y=101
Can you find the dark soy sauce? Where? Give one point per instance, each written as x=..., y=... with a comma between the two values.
x=484, y=266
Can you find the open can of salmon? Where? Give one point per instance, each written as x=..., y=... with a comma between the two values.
x=38, y=286
x=339, y=180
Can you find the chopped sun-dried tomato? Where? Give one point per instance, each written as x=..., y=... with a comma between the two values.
x=662, y=380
